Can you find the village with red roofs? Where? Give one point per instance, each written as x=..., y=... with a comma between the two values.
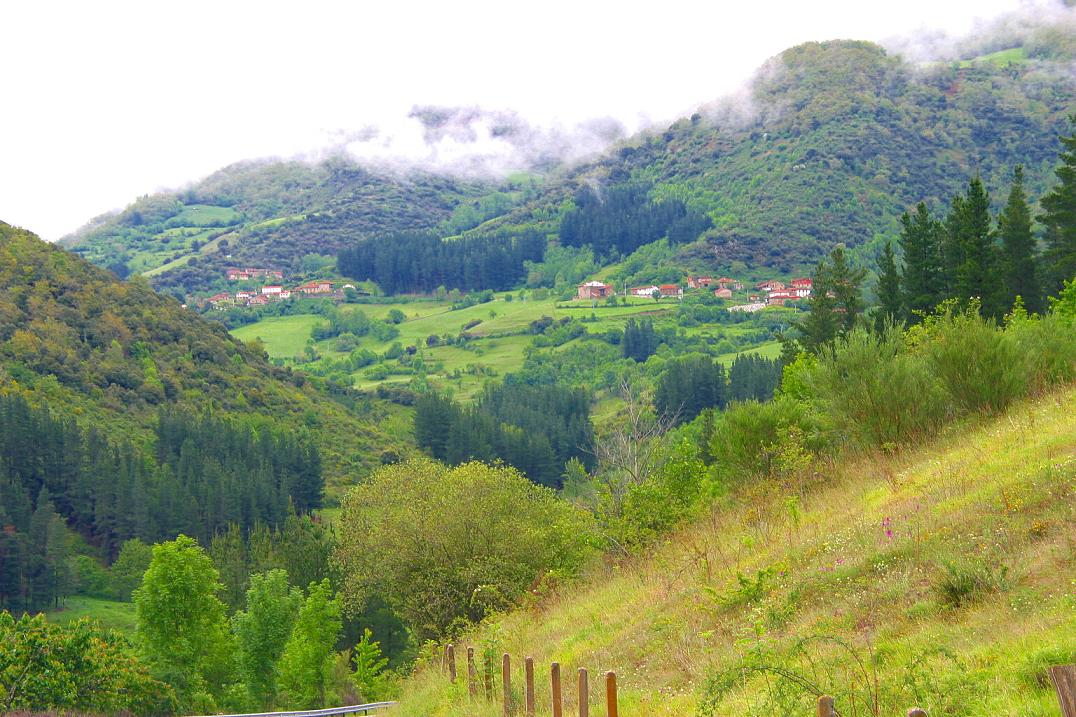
x=267, y=293
x=767, y=293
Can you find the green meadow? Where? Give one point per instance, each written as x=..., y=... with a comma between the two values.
x=500, y=335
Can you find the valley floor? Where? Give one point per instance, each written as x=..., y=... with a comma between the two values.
x=943, y=577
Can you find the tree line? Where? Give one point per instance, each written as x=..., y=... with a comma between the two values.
x=422, y=261
x=968, y=255
x=203, y=474
x=621, y=218
x=535, y=428
x=691, y=384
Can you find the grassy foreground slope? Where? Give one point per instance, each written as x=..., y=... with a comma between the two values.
x=943, y=577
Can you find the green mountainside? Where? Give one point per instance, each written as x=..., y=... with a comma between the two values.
x=829, y=144
x=833, y=141
x=268, y=214
x=113, y=354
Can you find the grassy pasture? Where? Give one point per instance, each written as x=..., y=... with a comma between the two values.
x=110, y=614
x=283, y=336
x=500, y=338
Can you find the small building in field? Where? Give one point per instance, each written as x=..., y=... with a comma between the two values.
x=258, y=300
x=780, y=296
x=272, y=290
x=723, y=293
x=802, y=287
x=770, y=285
x=674, y=290
x=646, y=291
x=222, y=298
x=285, y=294
x=699, y=282
x=595, y=290
x=248, y=273
x=319, y=286
x=727, y=283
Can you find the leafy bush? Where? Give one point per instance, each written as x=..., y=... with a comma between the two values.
x=981, y=366
x=874, y=391
x=486, y=535
x=745, y=434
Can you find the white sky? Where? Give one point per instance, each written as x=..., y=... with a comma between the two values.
x=104, y=101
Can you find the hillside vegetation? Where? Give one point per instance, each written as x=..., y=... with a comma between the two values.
x=831, y=142
x=828, y=144
x=940, y=577
x=113, y=354
x=271, y=214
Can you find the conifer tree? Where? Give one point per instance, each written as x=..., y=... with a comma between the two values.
x=846, y=284
x=1018, y=249
x=922, y=282
x=890, y=300
x=820, y=326
x=971, y=254
x=1059, y=217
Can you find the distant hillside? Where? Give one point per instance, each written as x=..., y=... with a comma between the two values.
x=112, y=354
x=831, y=143
x=270, y=213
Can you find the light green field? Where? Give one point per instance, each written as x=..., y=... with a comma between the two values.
x=1001, y=58
x=283, y=336
x=110, y=614
x=201, y=215
x=501, y=337
x=770, y=350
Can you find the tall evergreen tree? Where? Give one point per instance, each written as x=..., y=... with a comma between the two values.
x=820, y=327
x=1018, y=249
x=890, y=299
x=971, y=254
x=1059, y=217
x=921, y=243
x=846, y=283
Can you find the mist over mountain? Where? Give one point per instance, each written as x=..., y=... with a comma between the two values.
x=828, y=144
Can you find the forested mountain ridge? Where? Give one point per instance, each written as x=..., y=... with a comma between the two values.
x=270, y=213
x=830, y=144
x=113, y=355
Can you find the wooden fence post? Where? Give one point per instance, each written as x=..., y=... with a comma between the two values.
x=825, y=706
x=451, y=654
x=584, y=693
x=472, y=688
x=528, y=685
x=487, y=673
x=1064, y=679
x=916, y=712
x=611, y=707
x=554, y=680
x=506, y=683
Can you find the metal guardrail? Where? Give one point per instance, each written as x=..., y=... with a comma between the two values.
x=348, y=710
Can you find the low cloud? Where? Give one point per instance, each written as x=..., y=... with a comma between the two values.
x=477, y=142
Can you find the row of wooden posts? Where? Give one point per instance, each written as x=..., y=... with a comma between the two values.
x=556, y=690
x=1063, y=677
